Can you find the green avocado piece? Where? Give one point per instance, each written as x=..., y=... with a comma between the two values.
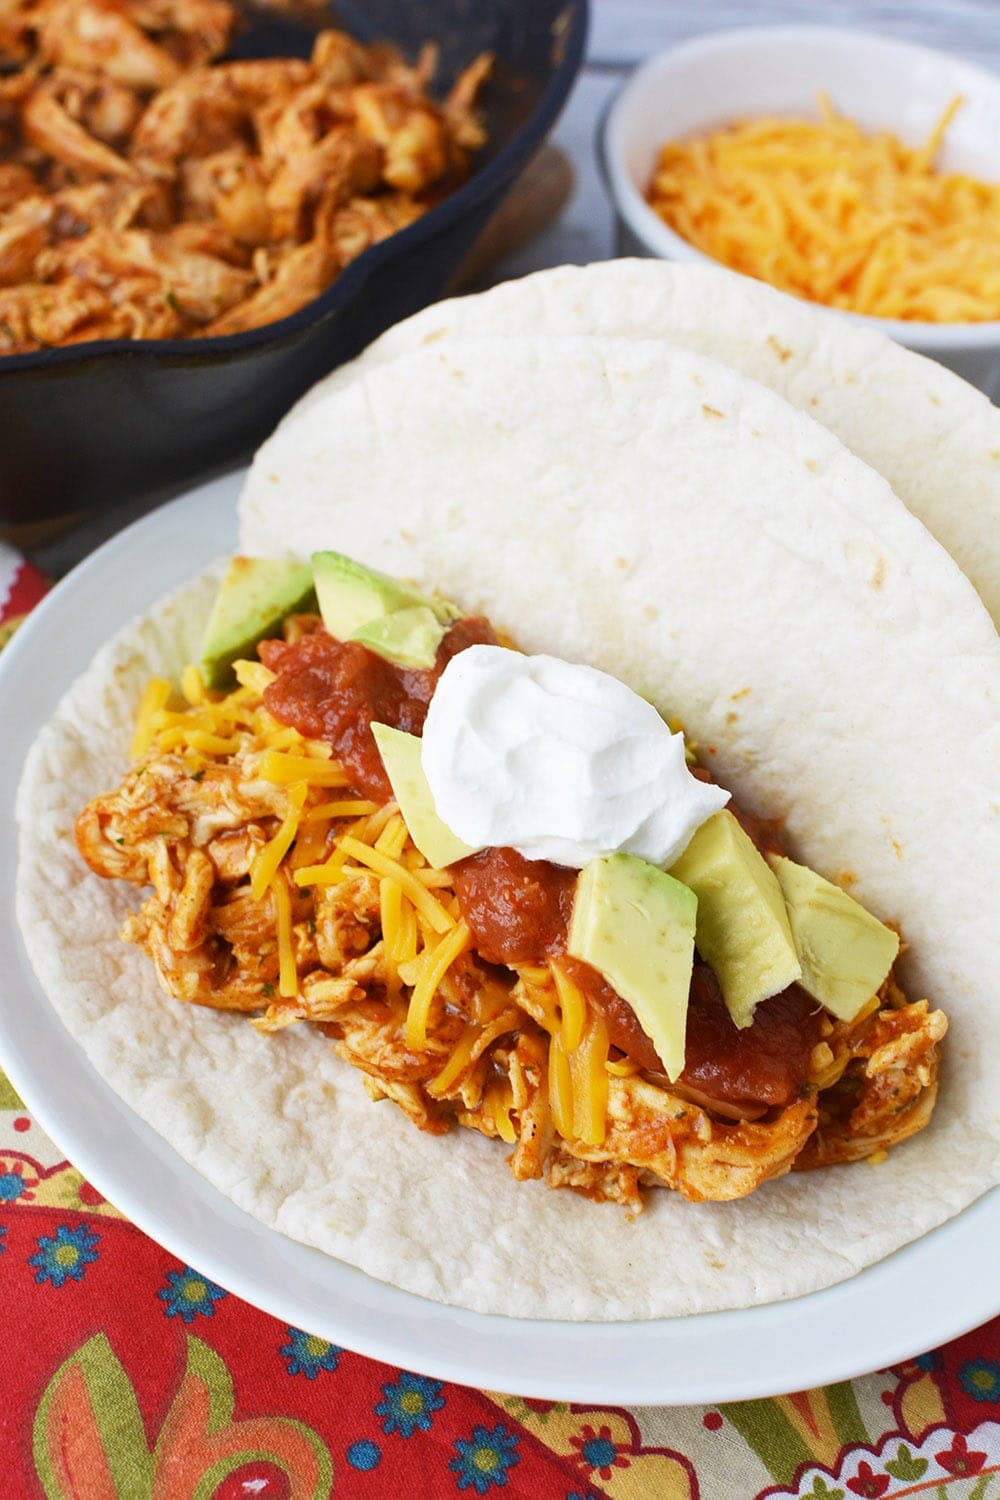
x=352, y=595
x=409, y=637
x=743, y=928
x=254, y=597
x=635, y=925
x=400, y=754
x=844, y=951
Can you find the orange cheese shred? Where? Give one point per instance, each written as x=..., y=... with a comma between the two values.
x=288, y=978
x=589, y=1079
x=827, y=212
x=435, y=964
x=267, y=860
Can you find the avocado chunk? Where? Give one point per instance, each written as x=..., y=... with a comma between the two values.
x=400, y=754
x=352, y=595
x=409, y=637
x=254, y=597
x=844, y=951
x=635, y=925
x=743, y=928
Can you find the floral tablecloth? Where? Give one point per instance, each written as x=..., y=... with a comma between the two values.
x=125, y=1375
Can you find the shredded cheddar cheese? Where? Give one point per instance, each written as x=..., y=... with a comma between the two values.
x=267, y=860
x=313, y=839
x=420, y=896
x=462, y=1056
x=622, y=1067
x=393, y=837
x=589, y=1081
x=281, y=769
x=822, y=210
x=499, y=1102
x=193, y=686
x=471, y=1046
x=436, y=963
x=288, y=978
x=573, y=1009
x=345, y=807
x=560, y=1089
x=154, y=700
x=253, y=675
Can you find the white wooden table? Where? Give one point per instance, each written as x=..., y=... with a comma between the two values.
x=624, y=33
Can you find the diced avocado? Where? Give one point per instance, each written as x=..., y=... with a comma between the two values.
x=400, y=754
x=409, y=637
x=254, y=597
x=844, y=951
x=351, y=595
x=635, y=925
x=743, y=928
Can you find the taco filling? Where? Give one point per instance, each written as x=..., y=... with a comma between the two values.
x=678, y=1004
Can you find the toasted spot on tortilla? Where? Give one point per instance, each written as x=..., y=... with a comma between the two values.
x=878, y=577
x=712, y=411
x=433, y=336
x=897, y=847
x=743, y=693
x=811, y=465
x=781, y=350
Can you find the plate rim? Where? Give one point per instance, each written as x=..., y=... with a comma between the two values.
x=839, y=1333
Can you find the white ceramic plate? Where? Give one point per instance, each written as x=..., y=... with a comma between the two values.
x=933, y=1290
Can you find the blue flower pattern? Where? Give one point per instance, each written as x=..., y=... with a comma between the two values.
x=189, y=1295
x=409, y=1404
x=307, y=1355
x=980, y=1379
x=65, y=1255
x=485, y=1459
x=12, y=1185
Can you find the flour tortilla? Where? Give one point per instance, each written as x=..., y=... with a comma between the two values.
x=934, y=437
x=641, y=508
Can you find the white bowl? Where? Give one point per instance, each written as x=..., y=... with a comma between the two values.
x=779, y=70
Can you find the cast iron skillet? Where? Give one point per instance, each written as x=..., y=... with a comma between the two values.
x=91, y=426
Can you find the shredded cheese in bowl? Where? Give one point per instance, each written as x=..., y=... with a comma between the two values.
x=822, y=210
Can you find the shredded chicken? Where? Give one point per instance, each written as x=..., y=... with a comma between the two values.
x=222, y=195
x=193, y=833
x=888, y=1089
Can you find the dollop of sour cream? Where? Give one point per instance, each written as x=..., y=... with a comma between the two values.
x=557, y=761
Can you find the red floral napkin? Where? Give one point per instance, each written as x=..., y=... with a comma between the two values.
x=128, y=1376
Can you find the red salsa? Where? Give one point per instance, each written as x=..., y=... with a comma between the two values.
x=517, y=909
x=335, y=690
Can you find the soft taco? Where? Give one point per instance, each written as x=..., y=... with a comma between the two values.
x=934, y=437
x=651, y=514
